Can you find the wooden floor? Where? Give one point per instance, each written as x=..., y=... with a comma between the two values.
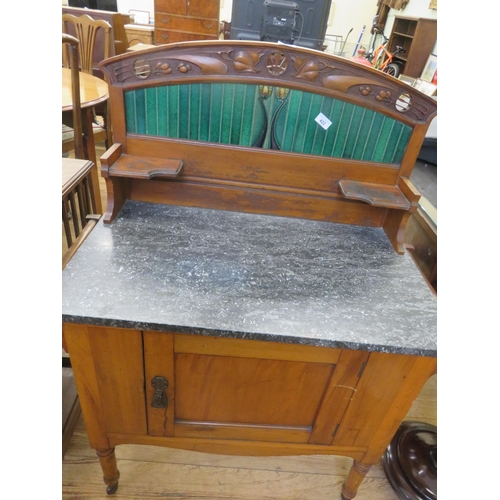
x=152, y=472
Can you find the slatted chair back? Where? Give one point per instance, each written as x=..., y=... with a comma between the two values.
x=85, y=29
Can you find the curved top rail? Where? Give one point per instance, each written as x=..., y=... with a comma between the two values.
x=274, y=64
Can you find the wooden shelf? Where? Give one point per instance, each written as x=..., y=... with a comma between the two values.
x=417, y=36
x=377, y=195
x=402, y=34
x=140, y=167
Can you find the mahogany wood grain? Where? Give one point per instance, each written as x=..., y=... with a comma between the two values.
x=375, y=194
x=140, y=167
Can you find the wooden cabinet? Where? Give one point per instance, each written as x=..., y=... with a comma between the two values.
x=417, y=37
x=137, y=33
x=182, y=20
x=238, y=396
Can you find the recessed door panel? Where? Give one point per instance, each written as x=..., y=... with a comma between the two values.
x=237, y=390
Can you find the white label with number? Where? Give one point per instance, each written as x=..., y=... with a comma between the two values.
x=323, y=121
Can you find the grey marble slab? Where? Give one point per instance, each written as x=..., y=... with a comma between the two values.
x=211, y=272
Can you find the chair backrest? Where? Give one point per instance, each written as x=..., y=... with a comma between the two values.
x=86, y=29
x=116, y=19
x=72, y=44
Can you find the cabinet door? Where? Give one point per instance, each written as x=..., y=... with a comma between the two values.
x=249, y=390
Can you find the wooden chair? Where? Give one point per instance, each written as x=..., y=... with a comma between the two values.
x=72, y=137
x=85, y=29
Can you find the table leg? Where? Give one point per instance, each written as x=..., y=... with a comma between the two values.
x=356, y=475
x=109, y=468
x=88, y=135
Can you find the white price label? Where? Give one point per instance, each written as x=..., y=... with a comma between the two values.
x=323, y=121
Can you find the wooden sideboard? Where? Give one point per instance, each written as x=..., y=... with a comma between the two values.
x=182, y=20
x=139, y=33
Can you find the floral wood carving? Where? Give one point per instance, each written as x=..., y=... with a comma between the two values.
x=208, y=65
x=243, y=61
x=342, y=83
x=309, y=69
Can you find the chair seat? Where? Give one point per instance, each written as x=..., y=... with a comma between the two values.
x=68, y=136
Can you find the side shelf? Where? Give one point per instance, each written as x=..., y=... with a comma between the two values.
x=119, y=169
x=378, y=195
x=141, y=167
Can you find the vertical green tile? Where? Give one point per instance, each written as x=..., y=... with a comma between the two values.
x=151, y=107
x=343, y=129
x=162, y=111
x=130, y=123
x=215, y=113
x=227, y=112
x=140, y=115
x=204, y=113
x=400, y=148
x=194, y=111
x=173, y=111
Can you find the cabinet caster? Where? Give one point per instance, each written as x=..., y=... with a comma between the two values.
x=111, y=489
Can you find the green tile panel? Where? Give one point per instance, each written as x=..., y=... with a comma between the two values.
x=232, y=113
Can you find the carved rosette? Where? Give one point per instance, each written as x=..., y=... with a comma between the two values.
x=276, y=63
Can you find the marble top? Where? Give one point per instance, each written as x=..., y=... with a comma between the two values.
x=212, y=272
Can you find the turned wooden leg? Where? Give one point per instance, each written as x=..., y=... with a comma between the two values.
x=109, y=468
x=351, y=484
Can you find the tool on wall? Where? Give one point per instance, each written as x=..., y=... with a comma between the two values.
x=359, y=40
